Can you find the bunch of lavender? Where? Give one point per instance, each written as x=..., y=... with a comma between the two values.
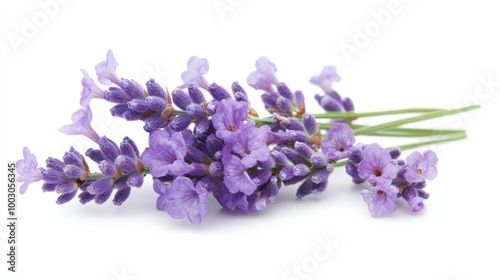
x=220, y=145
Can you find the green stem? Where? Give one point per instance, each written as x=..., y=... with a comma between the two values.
x=341, y=115
x=179, y=112
x=451, y=137
x=408, y=132
x=427, y=116
x=400, y=131
x=95, y=176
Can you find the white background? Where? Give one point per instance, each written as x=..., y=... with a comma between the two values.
x=428, y=54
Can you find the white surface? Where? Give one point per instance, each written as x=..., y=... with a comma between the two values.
x=428, y=54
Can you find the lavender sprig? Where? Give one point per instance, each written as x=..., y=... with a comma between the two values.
x=220, y=146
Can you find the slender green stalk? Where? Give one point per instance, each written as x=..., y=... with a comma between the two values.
x=426, y=116
x=95, y=176
x=341, y=115
x=346, y=115
x=452, y=137
x=410, y=132
x=400, y=131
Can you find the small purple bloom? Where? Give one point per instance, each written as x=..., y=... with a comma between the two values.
x=326, y=78
x=381, y=199
x=181, y=99
x=218, y=92
x=416, y=203
x=230, y=200
x=229, y=117
x=329, y=104
x=121, y=195
x=160, y=188
x=310, y=123
x=264, y=77
x=165, y=155
x=28, y=170
x=348, y=104
x=236, y=178
x=81, y=125
x=421, y=167
x=376, y=166
x=339, y=143
x=106, y=70
x=90, y=90
x=250, y=144
x=197, y=67
x=184, y=199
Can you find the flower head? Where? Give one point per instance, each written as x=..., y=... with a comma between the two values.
x=28, y=170
x=339, y=143
x=90, y=90
x=231, y=200
x=421, y=167
x=65, y=176
x=416, y=203
x=106, y=70
x=326, y=78
x=236, y=178
x=165, y=155
x=250, y=143
x=264, y=77
x=229, y=117
x=381, y=199
x=183, y=199
x=81, y=125
x=197, y=67
x=376, y=166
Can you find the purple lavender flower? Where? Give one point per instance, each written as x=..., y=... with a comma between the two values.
x=250, y=144
x=183, y=199
x=381, y=199
x=264, y=77
x=416, y=203
x=64, y=176
x=81, y=125
x=106, y=70
x=421, y=167
x=229, y=117
x=339, y=143
x=165, y=154
x=230, y=200
x=197, y=67
x=90, y=90
x=134, y=103
x=236, y=178
x=160, y=188
x=326, y=78
x=121, y=169
x=376, y=166
x=28, y=170
x=332, y=101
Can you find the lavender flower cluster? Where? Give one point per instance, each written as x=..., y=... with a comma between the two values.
x=220, y=146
